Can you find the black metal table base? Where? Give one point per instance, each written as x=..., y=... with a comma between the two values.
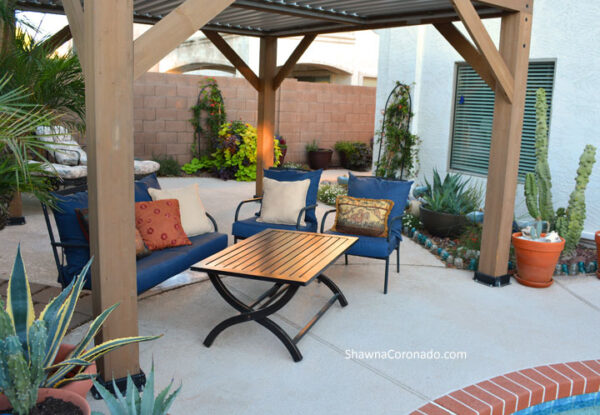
x=268, y=303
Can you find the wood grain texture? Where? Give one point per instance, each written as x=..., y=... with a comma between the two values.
x=279, y=256
x=287, y=67
x=75, y=16
x=510, y=5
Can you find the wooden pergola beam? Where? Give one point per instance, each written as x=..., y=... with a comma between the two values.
x=75, y=16
x=266, y=109
x=515, y=39
x=172, y=30
x=510, y=5
x=469, y=52
x=485, y=44
x=233, y=57
x=109, y=135
x=292, y=60
x=58, y=39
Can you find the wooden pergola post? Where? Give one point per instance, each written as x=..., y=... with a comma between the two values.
x=108, y=53
x=505, y=150
x=266, y=108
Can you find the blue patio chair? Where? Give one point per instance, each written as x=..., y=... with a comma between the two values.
x=244, y=228
x=377, y=247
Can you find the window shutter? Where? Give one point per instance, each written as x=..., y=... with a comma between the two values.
x=474, y=115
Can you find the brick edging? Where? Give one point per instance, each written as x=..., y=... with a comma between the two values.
x=512, y=392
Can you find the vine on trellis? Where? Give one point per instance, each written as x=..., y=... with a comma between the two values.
x=210, y=112
x=398, y=148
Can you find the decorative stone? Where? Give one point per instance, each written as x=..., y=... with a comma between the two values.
x=450, y=260
x=573, y=269
x=434, y=248
x=581, y=267
x=592, y=267
x=458, y=263
x=510, y=265
x=565, y=269
x=428, y=244
x=444, y=255
x=416, y=235
x=473, y=264
x=439, y=251
x=558, y=270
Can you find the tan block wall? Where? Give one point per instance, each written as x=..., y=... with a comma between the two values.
x=305, y=112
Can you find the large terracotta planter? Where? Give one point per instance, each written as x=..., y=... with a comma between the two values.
x=319, y=159
x=536, y=261
x=61, y=394
x=598, y=249
x=80, y=387
x=442, y=224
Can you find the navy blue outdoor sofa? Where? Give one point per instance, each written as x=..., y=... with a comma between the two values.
x=71, y=250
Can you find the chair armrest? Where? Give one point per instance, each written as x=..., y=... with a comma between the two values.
x=237, y=211
x=325, y=217
x=392, y=220
x=302, y=211
x=214, y=222
x=64, y=245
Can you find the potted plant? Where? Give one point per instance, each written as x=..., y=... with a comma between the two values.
x=537, y=254
x=446, y=204
x=283, y=147
x=32, y=347
x=354, y=155
x=318, y=158
x=136, y=403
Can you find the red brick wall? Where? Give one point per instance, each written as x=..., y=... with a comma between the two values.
x=305, y=112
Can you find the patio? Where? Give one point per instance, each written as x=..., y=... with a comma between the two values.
x=429, y=308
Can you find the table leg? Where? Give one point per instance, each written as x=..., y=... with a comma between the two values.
x=249, y=314
x=334, y=288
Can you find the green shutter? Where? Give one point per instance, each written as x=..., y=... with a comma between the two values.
x=474, y=115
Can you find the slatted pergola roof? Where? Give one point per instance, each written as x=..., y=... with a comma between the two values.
x=280, y=18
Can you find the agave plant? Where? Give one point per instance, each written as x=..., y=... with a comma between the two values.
x=134, y=403
x=453, y=195
x=28, y=346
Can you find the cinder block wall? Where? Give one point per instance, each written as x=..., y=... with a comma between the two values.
x=305, y=112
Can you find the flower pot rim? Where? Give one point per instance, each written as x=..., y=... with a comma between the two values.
x=515, y=236
x=321, y=150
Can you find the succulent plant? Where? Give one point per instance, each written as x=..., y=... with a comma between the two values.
x=136, y=403
x=453, y=195
x=28, y=347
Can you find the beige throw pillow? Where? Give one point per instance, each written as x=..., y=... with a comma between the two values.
x=193, y=215
x=283, y=201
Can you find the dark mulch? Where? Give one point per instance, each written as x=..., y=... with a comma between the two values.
x=53, y=406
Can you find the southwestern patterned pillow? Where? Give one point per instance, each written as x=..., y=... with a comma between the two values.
x=358, y=216
x=159, y=223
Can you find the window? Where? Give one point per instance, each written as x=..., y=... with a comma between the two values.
x=474, y=115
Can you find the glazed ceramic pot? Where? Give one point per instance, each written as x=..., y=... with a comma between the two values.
x=442, y=224
x=536, y=260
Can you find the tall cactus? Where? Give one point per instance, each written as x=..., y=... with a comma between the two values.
x=570, y=225
x=538, y=186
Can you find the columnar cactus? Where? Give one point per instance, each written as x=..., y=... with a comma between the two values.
x=538, y=186
x=570, y=226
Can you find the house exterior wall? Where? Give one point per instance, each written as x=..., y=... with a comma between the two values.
x=304, y=112
x=562, y=32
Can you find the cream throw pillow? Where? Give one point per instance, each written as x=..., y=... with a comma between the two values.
x=193, y=215
x=282, y=201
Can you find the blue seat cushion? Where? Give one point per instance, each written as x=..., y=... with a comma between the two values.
x=370, y=246
x=69, y=229
x=248, y=227
x=297, y=175
x=164, y=264
x=380, y=188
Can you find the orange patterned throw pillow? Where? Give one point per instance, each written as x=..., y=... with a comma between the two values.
x=358, y=216
x=159, y=224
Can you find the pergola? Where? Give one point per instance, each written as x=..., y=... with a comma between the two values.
x=112, y=60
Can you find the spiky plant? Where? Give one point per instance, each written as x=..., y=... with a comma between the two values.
x=34, y=344
x=136, y=403
x=453, y=195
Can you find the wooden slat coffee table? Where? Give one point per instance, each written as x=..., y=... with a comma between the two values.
x=290, y=260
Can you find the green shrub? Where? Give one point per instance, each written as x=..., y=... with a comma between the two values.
x=454, y=195
x=168, y=166
x=358, y=156
x=312, y=146
x=328, y=192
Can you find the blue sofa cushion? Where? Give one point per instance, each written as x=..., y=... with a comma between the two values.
x=69, y=228
x=163, y=264
x=297, y=175
x=248, y=227
x=370, y=246
x=380, y=188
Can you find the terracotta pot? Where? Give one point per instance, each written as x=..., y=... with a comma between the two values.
x=442, y=224
x=598, y=249
x=80, y=387
x=319, y=159
x=63, y=395
x=536, y=261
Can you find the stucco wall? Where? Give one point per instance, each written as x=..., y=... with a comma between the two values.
x=560, y=31
x=304, y=112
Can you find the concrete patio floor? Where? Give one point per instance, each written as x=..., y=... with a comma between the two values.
x=428, y=308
